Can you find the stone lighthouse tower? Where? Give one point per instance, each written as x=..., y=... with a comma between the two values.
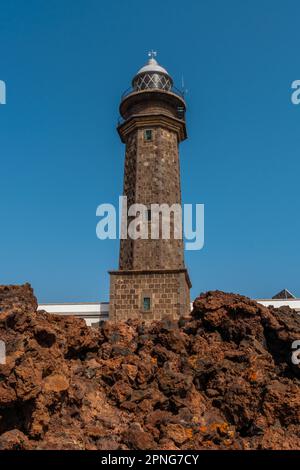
x=152, y=280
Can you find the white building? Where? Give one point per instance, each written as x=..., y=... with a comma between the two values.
x=283, y=298
x=92, y=313
x=276, y=303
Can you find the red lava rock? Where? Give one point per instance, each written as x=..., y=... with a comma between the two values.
x=14, y=440
x=219, y=379
x=138, y=439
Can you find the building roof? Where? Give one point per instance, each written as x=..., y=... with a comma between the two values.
x=284, y=294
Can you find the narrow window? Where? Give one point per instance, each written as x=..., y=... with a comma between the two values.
x=146, y=304
x=148, y=134
x=149, y=215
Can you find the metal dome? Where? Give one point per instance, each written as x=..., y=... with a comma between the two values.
x=152, y=66
x=152, y=76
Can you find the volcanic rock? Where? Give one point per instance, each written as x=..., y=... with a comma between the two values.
x=220, y=379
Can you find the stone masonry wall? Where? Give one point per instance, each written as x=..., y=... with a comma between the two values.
x=152, y=176
x=169, y=293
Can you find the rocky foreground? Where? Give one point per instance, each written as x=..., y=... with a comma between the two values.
x=221, y=379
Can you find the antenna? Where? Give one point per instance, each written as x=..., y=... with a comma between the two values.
x=184, y=90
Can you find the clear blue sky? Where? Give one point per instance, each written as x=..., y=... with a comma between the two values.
x=66, y=63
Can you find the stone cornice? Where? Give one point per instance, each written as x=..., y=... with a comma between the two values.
x=152, y=120
x=148, y=95
x=153, y=271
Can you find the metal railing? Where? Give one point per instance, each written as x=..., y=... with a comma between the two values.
x=174, y=90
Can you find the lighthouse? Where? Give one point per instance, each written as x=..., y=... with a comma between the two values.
x=152, y=280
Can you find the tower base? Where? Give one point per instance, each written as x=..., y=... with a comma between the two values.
x=149, y=294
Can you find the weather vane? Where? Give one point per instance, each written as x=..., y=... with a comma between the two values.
x=152, y=54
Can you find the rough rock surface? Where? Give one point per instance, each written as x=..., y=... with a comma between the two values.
x=221, y=379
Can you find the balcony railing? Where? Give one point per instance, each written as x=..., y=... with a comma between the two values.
x=174, y=90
